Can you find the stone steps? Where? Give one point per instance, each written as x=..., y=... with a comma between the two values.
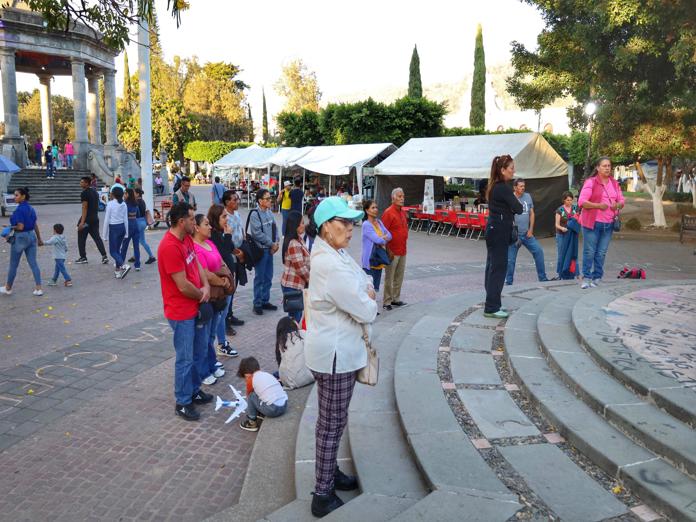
x=658, y=483
x=64, y=188
x=644, y=422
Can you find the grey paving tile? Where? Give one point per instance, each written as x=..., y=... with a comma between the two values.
x=448, y=505
x=496, y=414
x=21, y=415
x=473, y=368
x=375, y=508
x=477, y=318
x=422, y=405
x=418, y=355
x=432, y=326
x=5, y=426
x=27, y=428
x=472, y=339
x=7, y=440
x=563, y=486
x=46, y=417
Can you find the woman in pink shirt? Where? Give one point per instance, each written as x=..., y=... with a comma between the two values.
x=600, y=200
x=69, y=152
x=209, y=369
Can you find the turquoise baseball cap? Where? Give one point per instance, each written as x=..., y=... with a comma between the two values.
x=334, y=207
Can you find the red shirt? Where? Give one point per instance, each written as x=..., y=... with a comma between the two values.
x=175, y=256
x=395, y=222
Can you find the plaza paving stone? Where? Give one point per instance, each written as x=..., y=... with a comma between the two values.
x=496, y=414
x=473, y=368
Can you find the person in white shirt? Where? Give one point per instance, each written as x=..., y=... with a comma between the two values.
x=265, y=395
x=341, y=303
x=115, y=229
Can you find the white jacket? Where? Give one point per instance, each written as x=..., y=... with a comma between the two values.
x=116, y=213
x=338, y=305
x=293, y=370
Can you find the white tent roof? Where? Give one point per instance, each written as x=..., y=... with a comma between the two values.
x=285, y=157
x=471, y=156
x=248, y=157
x=336, y=160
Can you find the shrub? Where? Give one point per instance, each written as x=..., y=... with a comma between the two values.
x=461, y=190
x=211, y=151
x=676, y=227
x=633, y=224
x=676, y=197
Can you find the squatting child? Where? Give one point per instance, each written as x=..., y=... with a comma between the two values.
x=265, y=396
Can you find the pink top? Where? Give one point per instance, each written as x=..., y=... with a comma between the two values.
x=209, y=259
x=69, y=149
x=596, y=192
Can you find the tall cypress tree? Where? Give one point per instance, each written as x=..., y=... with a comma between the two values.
x=477, y=116
x=252, y=134
x=127, y=87
x=264, y=123
x=415, y=88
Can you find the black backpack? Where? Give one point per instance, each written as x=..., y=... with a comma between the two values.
x=253, y=251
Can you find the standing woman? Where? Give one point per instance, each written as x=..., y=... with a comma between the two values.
x=26, y=238
x=116, y=229
x=295, y=259
x=341, y=304
x=502, y=205
x=567, y=211
x=373, y=233
x=142, y=221
x=133, y=214
x=600, y=199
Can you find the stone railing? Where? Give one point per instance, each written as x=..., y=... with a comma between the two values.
x=107, y=163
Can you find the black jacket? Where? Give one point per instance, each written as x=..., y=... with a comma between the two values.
x=503, y=202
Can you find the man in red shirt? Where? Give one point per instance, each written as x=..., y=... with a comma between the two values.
x=395, y=221
x=185, y=292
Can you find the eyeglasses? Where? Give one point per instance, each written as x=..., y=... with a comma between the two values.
x=344, y=221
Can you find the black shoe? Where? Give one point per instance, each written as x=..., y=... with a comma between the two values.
x=150, y=260
x=258, y=311
x=387, y=307
x=249, y=424
x=131, y=260
x=187, y=412
x=229, y=330
x=235, y=322
x=269, y=306
x=322, y=505
x=200, y=397
x=398, y=303
x=344, y=482
x=227, y=350
x=105, y=260
x=81, y=261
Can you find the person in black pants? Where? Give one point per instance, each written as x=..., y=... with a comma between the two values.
x=502, y=205
x=89, y=222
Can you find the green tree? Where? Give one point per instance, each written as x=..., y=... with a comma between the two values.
x=299, y=86
x=30, y=116
x=415, y=88
x=127, y=86
x=252, y=136
x=264, y=122
x=299, y=130
x=477, y=116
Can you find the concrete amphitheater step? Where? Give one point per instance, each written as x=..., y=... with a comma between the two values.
x=590, y=323
x=658, y=483
x=64, y=188
x=650, y=426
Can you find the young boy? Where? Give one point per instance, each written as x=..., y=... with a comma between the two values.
x=60, y=251
x=265, y=396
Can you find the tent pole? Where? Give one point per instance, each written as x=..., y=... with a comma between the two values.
x=303, y=187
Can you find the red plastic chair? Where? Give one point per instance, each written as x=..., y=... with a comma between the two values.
x=462, y=223
x=449, y=221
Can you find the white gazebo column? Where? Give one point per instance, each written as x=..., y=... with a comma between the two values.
x=145, y=111
x=93, y=110
x=81, y=142
x=46, y=109
x=13, y=145
x=110, y=107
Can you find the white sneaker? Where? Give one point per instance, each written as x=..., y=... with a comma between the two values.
x=594, y=283
x=4, y=290
x=585, y=285
x=38, y=293
x=219, y=373
x=210, y=379
x=117, y=274
x=52, y=283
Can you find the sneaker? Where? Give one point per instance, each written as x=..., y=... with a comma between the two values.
x=585, y=285
x=594, y=283
x=105, y=260
x=209, y=380
x=249, y=424
x=219, y=373
x=150, y=260
x=37, y=293
x=227, y=350
x=235, y=322
x=344, y=482
x=230, y=331
x=322, y=505
x=52, y=283
x=137, y=269
x=398, y=303
x=258, y=311
x=219, y=365
x=500, y=314
x=200, y=397
x=187, y=412
x=117, y=274
x=269, y=306
x=131, y=260
x=81, y=261
x=68, y=283
x=260, y=415
x=4, y=290
x=387, y=307
x=124, y=271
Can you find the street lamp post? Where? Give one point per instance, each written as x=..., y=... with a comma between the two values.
x=590, y=109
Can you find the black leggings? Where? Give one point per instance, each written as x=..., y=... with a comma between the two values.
x=497, y=242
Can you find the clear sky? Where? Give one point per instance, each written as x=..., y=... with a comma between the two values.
x=352, y=46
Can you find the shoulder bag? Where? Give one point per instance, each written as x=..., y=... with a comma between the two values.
x=293, y=301
x=370, y=373
x=617, y=218
x=254, y=251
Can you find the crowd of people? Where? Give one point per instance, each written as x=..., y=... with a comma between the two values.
x=52, y=156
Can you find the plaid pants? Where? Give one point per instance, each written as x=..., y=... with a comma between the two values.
x=334, y=391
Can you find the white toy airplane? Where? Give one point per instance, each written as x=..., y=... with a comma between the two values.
x=240, y=405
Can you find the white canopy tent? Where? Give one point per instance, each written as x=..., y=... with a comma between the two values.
x=471, y=157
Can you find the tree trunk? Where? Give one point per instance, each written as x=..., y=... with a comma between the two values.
x=656, y=192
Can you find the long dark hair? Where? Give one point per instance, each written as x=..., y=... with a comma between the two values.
x=130, y=196
x=24, y=191
x=366, y=205
x=286, y=330
x=117, y=192
x=214, y=214
x=499, y=163
x=293, y=221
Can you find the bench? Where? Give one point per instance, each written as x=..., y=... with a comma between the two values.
x=688, y=224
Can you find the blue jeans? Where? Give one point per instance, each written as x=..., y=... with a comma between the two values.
x=594, y=249
x=206, y=363
x=25, y=243
x=142, y=225
x=297, y=316
x=284, y=214
x=376, y=274
x=134, y=234
x=60, y=269
x=50, y=169
x=68, y=160
x=116, y=235
x=263, y=278
x=190, y=345
x=534, y=248
x=255, y=405
x=221, y=330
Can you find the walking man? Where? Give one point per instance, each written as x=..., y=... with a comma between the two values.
x=217, y=191
x=185, y=294
x=184, y=194
x=525, y=227
x=395, y=222
x=263, y=231
x=88, y=224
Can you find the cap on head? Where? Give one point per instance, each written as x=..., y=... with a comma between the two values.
x=287, y=184
x=335, y=207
